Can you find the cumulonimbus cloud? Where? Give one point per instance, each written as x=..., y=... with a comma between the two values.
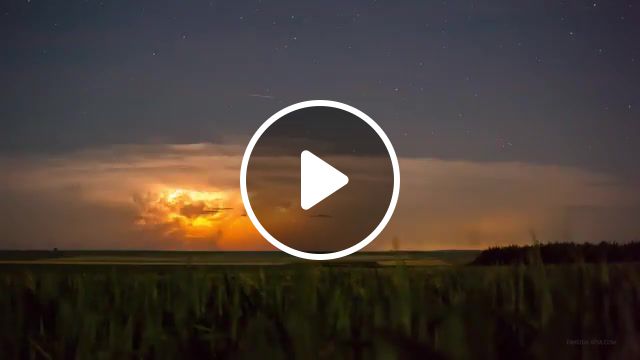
x=99, y=198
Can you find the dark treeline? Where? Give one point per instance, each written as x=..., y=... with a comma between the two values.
x=557, y=253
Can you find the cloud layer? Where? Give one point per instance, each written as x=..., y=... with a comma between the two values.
x=118, y=197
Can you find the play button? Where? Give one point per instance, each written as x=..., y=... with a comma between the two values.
x=319, y=180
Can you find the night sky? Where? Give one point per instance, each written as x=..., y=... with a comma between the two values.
x=540, y=83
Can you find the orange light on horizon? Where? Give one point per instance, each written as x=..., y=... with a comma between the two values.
x=192, y=213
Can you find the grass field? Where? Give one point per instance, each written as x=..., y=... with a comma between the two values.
x=104, y=305
x=114, y=257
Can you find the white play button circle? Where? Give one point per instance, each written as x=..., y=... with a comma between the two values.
x=318, y=180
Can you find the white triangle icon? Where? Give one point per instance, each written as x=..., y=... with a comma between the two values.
x=318, y=180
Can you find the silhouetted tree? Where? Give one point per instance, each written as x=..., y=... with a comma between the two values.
x=556, y=253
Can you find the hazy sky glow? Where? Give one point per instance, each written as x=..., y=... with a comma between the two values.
x=187, y=197
x=123, y=122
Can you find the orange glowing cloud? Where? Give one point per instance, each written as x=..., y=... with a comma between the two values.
x=165, y=196
x=194, y=214
x=187, y=197
x=197, y=217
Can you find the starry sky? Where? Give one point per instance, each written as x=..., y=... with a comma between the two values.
x=547, y=85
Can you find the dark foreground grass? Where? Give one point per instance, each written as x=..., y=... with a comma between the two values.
x=312, y=311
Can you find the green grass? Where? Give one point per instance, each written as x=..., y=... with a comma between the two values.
x=448, y=257
x=319, y=310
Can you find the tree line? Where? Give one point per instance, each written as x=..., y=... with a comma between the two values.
x=558, y=253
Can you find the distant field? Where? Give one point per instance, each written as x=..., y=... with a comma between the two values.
x=196, y=258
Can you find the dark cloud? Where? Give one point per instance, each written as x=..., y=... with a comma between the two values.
x=62, y=219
